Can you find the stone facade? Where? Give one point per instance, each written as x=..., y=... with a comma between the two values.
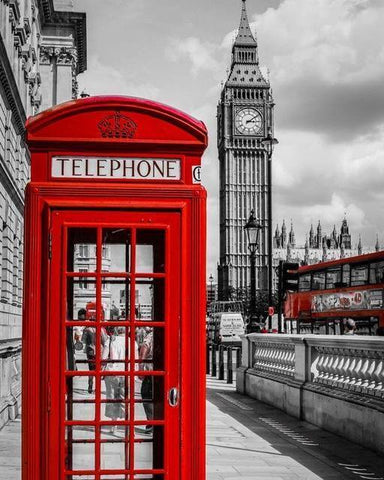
x=245, y=118
x=30, y=81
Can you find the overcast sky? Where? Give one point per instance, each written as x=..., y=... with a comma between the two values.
x=326, y=62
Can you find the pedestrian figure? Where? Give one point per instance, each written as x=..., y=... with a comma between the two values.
x=115, y=349
x=349, y=326
x=146, y=354
x=89, y=340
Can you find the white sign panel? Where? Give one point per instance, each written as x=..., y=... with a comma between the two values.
x=116, y=168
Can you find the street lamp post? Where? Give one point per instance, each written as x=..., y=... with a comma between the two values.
x=253, y=235
x=269, y=142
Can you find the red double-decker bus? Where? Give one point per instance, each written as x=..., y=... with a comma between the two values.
x=330, y=292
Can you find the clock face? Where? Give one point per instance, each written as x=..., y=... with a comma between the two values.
x=248, y=121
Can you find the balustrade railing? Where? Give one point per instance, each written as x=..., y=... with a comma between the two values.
x=342, y=363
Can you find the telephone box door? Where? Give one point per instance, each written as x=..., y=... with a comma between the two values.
x=114, y=381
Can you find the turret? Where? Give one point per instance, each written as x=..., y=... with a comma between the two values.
x=319, y=236
x=283, y=235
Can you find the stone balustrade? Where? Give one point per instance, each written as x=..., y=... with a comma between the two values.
x=336, y=382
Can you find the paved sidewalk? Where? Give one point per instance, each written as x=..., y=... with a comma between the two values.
x=250, y=440
x=10, y=451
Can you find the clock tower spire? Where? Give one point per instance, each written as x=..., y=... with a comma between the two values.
x=244, y=119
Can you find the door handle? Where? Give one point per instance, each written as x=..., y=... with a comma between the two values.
x=173, y=397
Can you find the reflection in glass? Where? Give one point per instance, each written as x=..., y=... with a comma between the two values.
x=83, y=456
x=80, y=405
x=114, y=455
x=149, y=452
x=150, y=251
x=149, y=301
x=115, y=298
x=80, y=477
x=81, y=298
x=116, y=250
x=80, y=432
x=149, y=404
x=81, y=250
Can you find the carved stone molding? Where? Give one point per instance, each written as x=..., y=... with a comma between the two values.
x=45, y=55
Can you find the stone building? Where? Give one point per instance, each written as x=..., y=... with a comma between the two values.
x=42, y=50
x=244, y=119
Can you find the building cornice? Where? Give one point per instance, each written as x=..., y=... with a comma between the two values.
x=75, y=20
x=8, y=83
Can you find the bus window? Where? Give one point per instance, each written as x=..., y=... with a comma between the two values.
x=359, y=275
x=333, y=277
x=346, y=275
x=376, y=272
x=305, y=282
x=318, y=280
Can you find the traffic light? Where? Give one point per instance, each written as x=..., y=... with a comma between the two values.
x=288, y=277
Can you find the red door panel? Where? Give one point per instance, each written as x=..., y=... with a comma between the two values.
x=114, y=336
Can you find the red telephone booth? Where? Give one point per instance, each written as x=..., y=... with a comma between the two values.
x=114, y=298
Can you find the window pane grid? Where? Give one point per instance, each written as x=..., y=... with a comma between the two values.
x=100, y=325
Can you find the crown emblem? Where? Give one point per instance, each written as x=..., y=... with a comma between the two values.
x=117, y=126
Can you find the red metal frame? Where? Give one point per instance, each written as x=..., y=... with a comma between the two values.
x=298, y=305
x=53, y=204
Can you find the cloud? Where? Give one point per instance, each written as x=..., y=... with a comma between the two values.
x=200, y=54
x=327, y=64
x=102, y=79
x=314, y=179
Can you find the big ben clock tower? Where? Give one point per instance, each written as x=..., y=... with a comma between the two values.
x=245, y=118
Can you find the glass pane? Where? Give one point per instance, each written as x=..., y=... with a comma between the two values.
x=114, y=433
x=115, y=298
x=149, y=451
x=116, y=250
x=114, y=455
x=149, y=299
x=81, y=250
x=346, y=275
x=80, y=405
x=81, y=298
x=80, y=477
x=305, y=282
x=333, y=277
x=318, y=281
x=359, y=275
x=80, y=432
x=82, y=456
x=376, y=274
x=115, y=397
x=150, y=342
x=149, y=404
x=150, y=251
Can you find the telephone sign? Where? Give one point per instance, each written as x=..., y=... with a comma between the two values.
x=114, y=298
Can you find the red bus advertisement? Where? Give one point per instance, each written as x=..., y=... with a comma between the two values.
x=331, y=292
